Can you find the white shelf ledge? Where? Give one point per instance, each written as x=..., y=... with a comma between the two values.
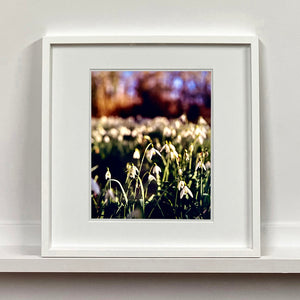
x=28, y=259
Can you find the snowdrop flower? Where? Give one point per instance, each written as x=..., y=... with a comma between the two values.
x=208, y=165
x=173, y=132
x=186, y=156
x=180, y=172
x=203, y=133
x=178, y=139
x=201, y=121
x=156, y=170
x=106, y=139
x=107, y=174
x=134, y=133
x=139, y=138
x=166, y=148
x=183, y=118
x=113, y=132
x=98, y=138
x=198, y=130
x=186, y=192
x=150, y=178
x=136, y=154
x=201, y=140
x=94, y=133
x=95, y=187
x=174, y=155
x=109, y=194
x=172, y=147
x=181, y=185
x=104, y=119
x=152, y=152
x=201, y=165
x=177, y=124
x=167, y=132
x=125, y=131
x=133, y=171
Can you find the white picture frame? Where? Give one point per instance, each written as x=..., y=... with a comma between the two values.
x=64, y=236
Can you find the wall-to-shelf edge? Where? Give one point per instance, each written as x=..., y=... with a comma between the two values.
x=28, y=259
x=280, y=254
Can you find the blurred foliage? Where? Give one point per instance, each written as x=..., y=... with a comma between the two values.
x=149, y=94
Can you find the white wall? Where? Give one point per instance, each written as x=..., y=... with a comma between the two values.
x=24, y=22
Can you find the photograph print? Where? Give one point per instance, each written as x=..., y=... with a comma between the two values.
x=151, y=144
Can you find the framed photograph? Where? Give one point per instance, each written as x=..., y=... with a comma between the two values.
x=150, y=147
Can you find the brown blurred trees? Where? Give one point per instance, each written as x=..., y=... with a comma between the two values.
x=151, y=94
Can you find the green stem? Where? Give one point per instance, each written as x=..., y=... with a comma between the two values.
x=142, y=191
x=175, y=204
x=124, y=194
x=144, y=157
x=160, y=199
x=166, y=170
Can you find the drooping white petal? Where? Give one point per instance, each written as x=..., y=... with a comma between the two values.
x=150, y=178
x=107, y=175
x=95, y=187
x=136, y=154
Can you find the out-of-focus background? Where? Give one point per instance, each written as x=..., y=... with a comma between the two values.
x=23, y=23
x=152, y=93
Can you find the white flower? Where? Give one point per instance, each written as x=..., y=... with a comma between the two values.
x=134, y=133
x=173, y=132
x=174, y=155
x=139, y=138
x=150, y=178
x=208, y=165
x=183, y=118
x=167, y=132
x=113, y=132
x=201, y=165
x=172, y=147
x=152, y=152
x=180, y=185
x=156, y=170
x=136, y=154
x=95, y=187
x=106, y=139
x=201, y=121
x=133, y=170
x=200, y=139
x=173, y=152
x=98, y=138
x=107, y=175
x=177, y=124
x=165, y=147
x=101, y=131
x=109, y=194
x=94, y=133
x=203, y=133
x=186, y=156
x=186, y=192
x=178, y=139
x=180, y=172
x=125, y=131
